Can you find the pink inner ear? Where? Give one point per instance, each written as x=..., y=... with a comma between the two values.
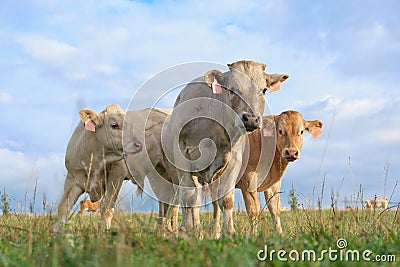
x=315, y=132
x=90, y=126
x=216, y=87
x=275, y=87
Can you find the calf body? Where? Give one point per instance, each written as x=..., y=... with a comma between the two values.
x=87, y=205
x=377, y=203
x=95, y=144
x=209, y=118
x=151, y=163
x=287, y=138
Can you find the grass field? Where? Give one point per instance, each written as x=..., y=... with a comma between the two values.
x=28, y=240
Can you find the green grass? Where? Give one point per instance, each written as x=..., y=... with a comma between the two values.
x=28, y=240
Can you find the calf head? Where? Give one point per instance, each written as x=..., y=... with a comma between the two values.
x=255, y=71
x=245, y=87
x=242, y=89
x=290, y=127
x=107, y=127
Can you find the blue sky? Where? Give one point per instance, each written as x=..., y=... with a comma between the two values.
x=342, y=57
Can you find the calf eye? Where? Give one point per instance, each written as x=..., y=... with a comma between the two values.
x=265, y=90
x=114, y=125
x=280, y=132
x=302, y=132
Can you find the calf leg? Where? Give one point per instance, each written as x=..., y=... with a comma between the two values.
x=216, y=216
x=196, y=208
x=213, y=188
x=166, y=193
x=226, y=204
x=272, y=198
x=253, y=208
x=162, y=211
x=113, y=186
x=168, y=217
x=189, y=194
x=187, y=221
x=174, y=217
x=196, y=216
x=71, y=193
x=84, y=208
x=226, y=186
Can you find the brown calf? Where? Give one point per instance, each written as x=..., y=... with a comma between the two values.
x=87, y=205
x=288, y=134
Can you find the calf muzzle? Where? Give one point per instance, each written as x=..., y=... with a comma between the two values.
x=133, y=147
x=251, y=122
x=291, y=154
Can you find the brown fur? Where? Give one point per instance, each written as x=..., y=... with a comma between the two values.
x=87, y=205
x=228, y=203
x=288, y=127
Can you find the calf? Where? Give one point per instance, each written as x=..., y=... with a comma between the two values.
x=210, y=116
x=150, y=162
x=288, y=135
x=87, y=205
x=95, y=144
x=377, y=203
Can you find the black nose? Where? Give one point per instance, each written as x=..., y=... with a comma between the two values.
x=250, y=121
x=245, y=117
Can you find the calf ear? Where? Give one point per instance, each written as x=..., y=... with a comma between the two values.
x=114, y=108
x=214, y=79
x=313, y=127
x=90, y=118
x=274, y=81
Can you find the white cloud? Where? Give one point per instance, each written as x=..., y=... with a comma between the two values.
x=105, y=69
x=10, y=144
x=354, y=108
x=386, y=128
x=345, y=108
x=46, y=49
x=103, y=51
x=5, y=98
x=377, y=35
x=14, y=164
x=19, y=171
x=386, y=136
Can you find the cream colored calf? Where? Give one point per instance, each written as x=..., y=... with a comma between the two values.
x=377, y=203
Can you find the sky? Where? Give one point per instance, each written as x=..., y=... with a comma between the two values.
x=57, y=57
